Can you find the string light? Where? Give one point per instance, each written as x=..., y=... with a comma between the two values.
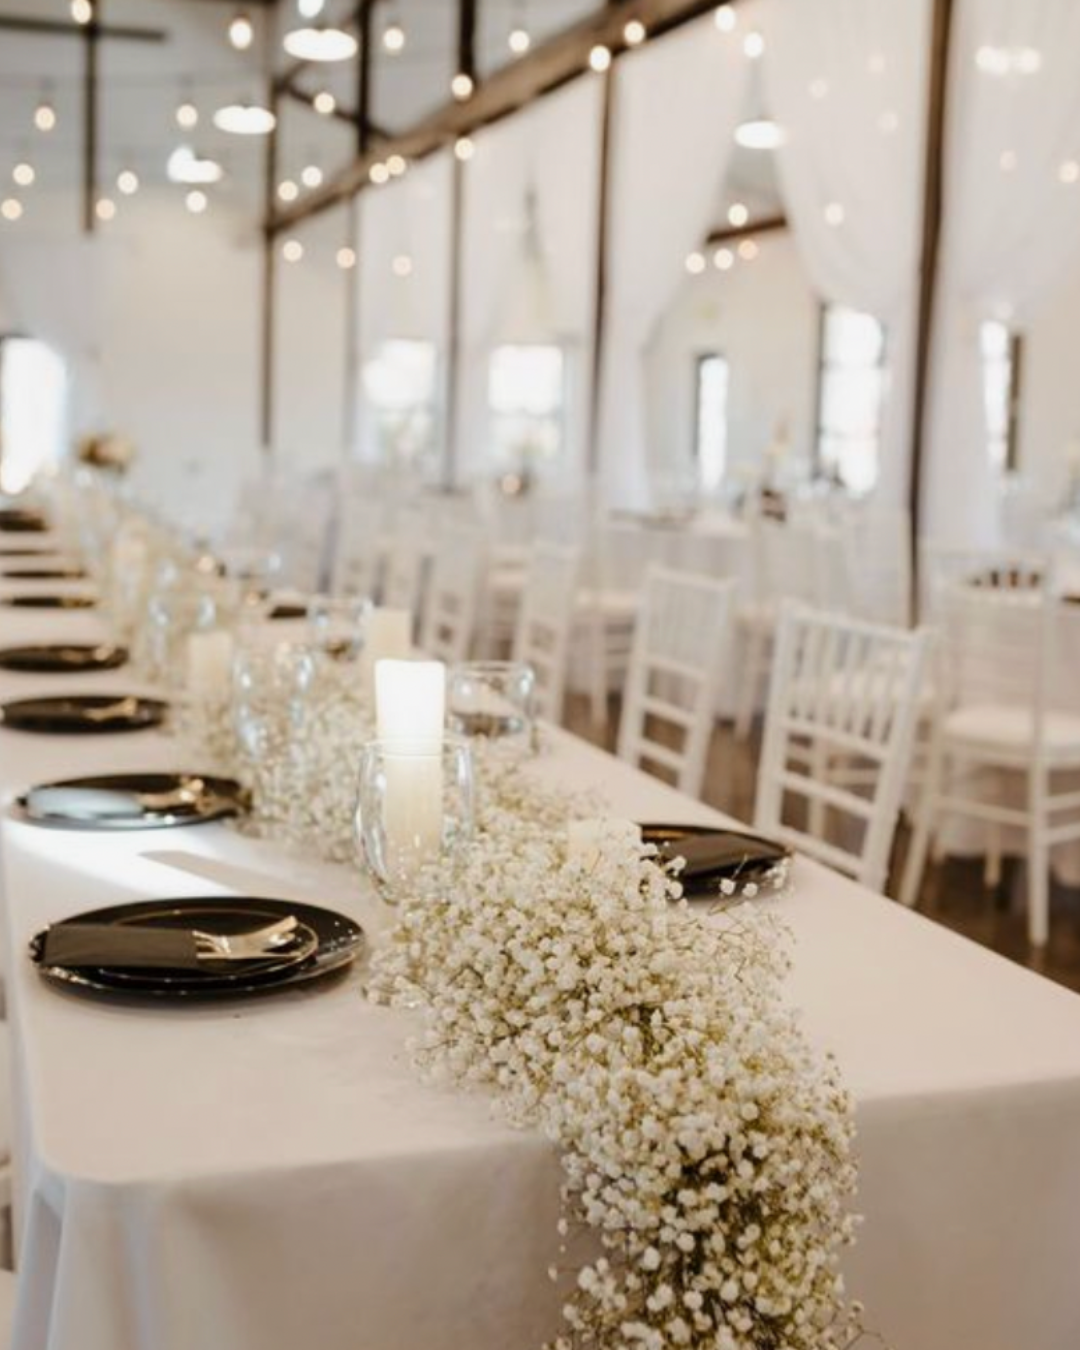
x=23, y=174
x=82, y=11
x=834, y=214
x=11, y=208
x=634, y=34
x=738, y=214
x=464, y=148
x=346, y=258
x=600, y=59
x=519, y=40
x=396, y=166
x=45, y=116
x=241, y=31
x=287, y=190
x=196, y=201
x=320, y=44
x=748, y=250
x=402, y=265
x=245, y=119
x=1069, y=171
x=723, y=260
x=187, y=115
x=394, y=38
x=753, y=46
x=311, y=176
x=695, y=263
x=726, y=18
x=105, y=209
x=379, y=173
x=462, y=86
x=310, y=9
x=292, y=250
x=184, y=166
x=324, y=103
x=127, y=182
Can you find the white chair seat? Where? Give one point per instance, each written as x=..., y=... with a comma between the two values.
x=506, y=582
x=611, y=604
x=1001, y=731
x=759, y=615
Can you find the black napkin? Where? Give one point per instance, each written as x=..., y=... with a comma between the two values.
x=717, y=855
x=131, y=945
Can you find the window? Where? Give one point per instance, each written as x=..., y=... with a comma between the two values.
x=851, y=392
x=527, y=398
x=400, y=383
x=1000, y=376
x=710, y=419
x=32, y=396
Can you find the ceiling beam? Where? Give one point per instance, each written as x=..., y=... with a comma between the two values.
x=547, y=67
x=17, y=23
x=726, y=234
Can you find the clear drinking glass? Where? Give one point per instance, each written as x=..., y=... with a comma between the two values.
x=255, y=570
x=270, y=697
x=337, y=625
x=492, y=699
x=415, y=806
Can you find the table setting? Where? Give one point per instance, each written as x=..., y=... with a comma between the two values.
x=651, y=1065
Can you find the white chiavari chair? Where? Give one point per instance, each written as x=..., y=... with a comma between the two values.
x=403, y=578
x=358, y=553
x=546, y=621
x=844, y=694
x=451, y=605
x=670, y=697
x=998, y=711
x=615, y=565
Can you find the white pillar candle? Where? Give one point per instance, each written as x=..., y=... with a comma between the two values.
x=588, y=840
x=209, y=663
x=410, y=710
x=387, y=636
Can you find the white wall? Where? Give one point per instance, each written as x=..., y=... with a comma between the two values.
x=763, y=317
x=1050, y=390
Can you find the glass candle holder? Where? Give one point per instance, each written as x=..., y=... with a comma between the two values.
x=415, y=806
x=494, y=700
x=337, y=625
x=270, y=696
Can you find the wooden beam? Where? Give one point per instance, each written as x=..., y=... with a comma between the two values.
x=17, y=23
x=91, y=37
x=549, y=66
x=269, y=289
x=350, y=424
x=933, y=208
x=466, y=50
x=731, y=234
x=453, y=348
x=600, y=272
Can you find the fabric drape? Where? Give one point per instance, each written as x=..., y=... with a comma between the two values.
x=846, y=81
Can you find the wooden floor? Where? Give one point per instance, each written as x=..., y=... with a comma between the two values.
x=953, y=893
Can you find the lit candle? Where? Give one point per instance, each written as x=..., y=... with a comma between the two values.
x=588, y=840
x=209, y=663
x=387, y=635
x=410, y=711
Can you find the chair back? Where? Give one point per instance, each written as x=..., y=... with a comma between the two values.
x=403, y=579
x=545, y=623
x=358, y=556
x=453, y=595
x=843, y=693
x=669, y=701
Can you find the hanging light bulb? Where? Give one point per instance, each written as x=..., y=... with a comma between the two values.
x=82, y=11
x=695, y=263
x=45, y=116
x=323, y=43
x=311, y=176
x=245, y=119
x=241, y=31
x=402, y=266
x=519, y=40
x=287, y=190
x=292, y=250
x=324, y=103
x=748, y=250
x=396, y=165
x=310, y=9
x=600, y=59
x=346, y=258
x=11, y=208
x=184, y=166
x=196, y=201
x=634, y=34
x=379, y=174
x=723, y=260
x=394, y=37
x=127, y=182
x=726, y=18
x=738, y=214
x=464, y=148
x=23, y=173
x=461, y=86
x=105, y=209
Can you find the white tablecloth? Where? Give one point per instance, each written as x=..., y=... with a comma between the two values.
x=271, y=1174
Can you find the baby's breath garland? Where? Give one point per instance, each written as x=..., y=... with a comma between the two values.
x=705, y=1148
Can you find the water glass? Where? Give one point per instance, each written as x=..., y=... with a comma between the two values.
x=270, y=700
x=337, y=625
x=415, y=806
x=492, y=699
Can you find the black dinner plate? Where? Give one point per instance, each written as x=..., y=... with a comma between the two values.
x=713, y=855
x=83, y=714
x=50, y=601
x=288, y=609
x=44, y=574
x=21, y=551
x=133, y=801
x=63, y=658
x=17, y=520
x=338, y=942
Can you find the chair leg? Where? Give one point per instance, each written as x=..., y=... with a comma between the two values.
x=753, y=662
x=819, y=759
x=598, y=674
x=926, y=822
x=992, y=866
x=1038, y=877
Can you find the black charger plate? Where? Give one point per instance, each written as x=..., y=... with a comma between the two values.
x=338, y=943
x=84, y=714
x=713, y=854
x=50, y=601
x=44, y=574
x=113, y=801
x=63, y=658
x=17, y=521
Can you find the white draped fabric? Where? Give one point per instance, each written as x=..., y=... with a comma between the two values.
x=677, y=103
x=846, y=81
x=549, y=153
x=404, y=243
x=1012, y=227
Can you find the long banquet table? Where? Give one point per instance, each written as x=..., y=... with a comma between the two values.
x=271, y=1174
